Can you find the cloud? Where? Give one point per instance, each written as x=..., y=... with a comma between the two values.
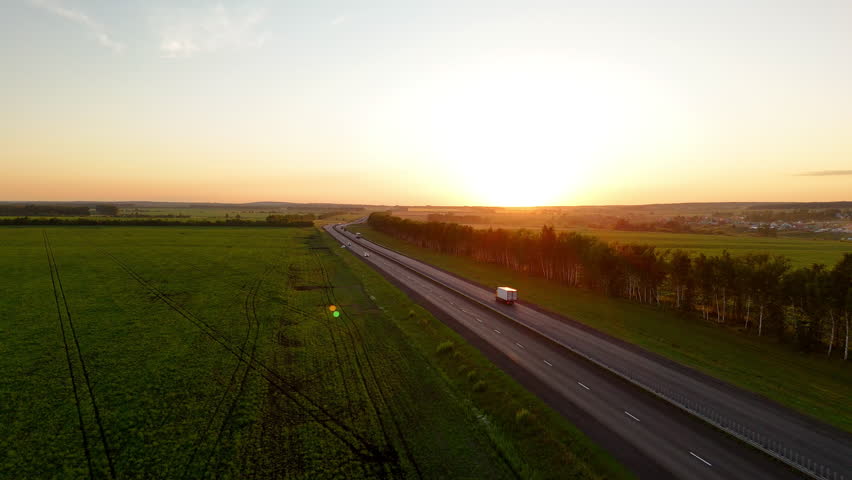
x=338, y=20
x=184, y=33
x=95, y=29
x=824, y=173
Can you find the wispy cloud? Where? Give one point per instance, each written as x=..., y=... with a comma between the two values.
x=184, y=33
x=95, y=29
x=824, y=173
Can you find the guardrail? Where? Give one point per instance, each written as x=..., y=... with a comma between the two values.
x=772, y=447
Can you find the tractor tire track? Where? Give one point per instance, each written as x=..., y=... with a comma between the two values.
x=352, y=328
x=101, y=432
x=355, y=442
x=86, y=448
x=395, y=468
x=253, y=321
x=228, y=388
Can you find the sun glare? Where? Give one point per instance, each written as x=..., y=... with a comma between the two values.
x=528, y=134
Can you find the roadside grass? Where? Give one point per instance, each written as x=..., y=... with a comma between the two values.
x=527, y=434
x=808, y=383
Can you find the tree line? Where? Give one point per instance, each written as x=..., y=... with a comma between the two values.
x=762, y=293
x=43, y=210
x=152, y=222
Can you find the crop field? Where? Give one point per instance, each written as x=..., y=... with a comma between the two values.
x=151, y=352
x=802, y=251
x=809, y=383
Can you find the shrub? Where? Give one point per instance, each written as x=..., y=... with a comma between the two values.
x=523, y=415
x=472, y=376
x=444, y=347
x=479, y=386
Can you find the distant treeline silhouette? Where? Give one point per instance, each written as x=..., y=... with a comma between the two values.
x=43, y=210
x=809, y=306
x=152, y=222
x=451, y=218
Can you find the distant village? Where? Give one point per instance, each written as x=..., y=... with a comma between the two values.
x=840, y=223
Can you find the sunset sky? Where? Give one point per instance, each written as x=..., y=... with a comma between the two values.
x=437, y=102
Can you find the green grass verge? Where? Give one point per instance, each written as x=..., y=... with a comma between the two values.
x=809, y=383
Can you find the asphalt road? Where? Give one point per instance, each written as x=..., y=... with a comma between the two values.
x=650, y=436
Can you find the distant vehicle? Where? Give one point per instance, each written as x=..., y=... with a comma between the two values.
x=366, y=253
x=358, y=235
x=349, y=243
x=507, y=295
x=344, y=246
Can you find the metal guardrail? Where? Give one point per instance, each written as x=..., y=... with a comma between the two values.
x=764, y=443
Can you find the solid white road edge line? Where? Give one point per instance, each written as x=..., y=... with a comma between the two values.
x=705, y=461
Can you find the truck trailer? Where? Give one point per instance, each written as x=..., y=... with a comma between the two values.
x=507, y=295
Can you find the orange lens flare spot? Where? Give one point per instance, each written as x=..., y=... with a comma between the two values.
x=332, y=307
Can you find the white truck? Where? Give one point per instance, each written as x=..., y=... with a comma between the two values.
x=507, y=295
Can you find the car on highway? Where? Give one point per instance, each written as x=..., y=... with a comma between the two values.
x=366, y=254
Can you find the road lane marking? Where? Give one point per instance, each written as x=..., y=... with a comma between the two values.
x=705, y=461
x=477, y=319
x=463, y=310
x=518, y=344
x=581, y=384
x=631, y=416
x=548, y=363
x=498, y=331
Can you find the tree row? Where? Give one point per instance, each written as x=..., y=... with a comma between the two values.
x=762, y=293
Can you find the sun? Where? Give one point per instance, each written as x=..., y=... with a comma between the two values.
x=524, y=135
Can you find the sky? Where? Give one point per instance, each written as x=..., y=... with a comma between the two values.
x=440, y=102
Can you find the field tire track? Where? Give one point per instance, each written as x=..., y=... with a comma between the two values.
x=351, y=327
x=253, y=321
x=224, y=396
x=356, y=443
x=86, y=378
x=86, y=448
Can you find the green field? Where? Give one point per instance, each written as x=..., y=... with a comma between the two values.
x=213, y=353
x=802, y=251
x=808, y=383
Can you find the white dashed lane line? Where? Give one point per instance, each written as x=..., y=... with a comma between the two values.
x=548, y=363
x=498, y=331
x=519, y=345
x=705, y=461
x=631, y=416
x=581, y=384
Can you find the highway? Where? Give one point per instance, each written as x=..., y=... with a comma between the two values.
x=601, y=385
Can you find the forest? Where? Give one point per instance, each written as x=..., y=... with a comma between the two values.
x=762, y=294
